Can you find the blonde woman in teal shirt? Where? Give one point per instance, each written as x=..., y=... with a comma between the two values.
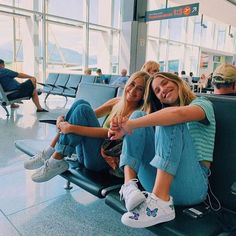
x=172, y=161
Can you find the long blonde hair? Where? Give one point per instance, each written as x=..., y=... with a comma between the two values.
x=120, y=107
x=150, y=65
x=152, y=103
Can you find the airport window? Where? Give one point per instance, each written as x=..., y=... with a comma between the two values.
x=65, y=46
x=60, y=27
x=72, y=9
x=6, y=38
x=175, y=29
x=221, y=39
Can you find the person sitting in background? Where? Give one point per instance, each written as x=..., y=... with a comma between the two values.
x=202, y=83
x=81, y=131
x=102, y=78
x=151, y=67
x=224, y=80
x=186, y=78
x=87, y=71
x=121, y=81
x=191, y=76
x=24, y=89
x=171, y=161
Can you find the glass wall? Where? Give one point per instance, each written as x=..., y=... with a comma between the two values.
x=178, y=44
x=41, y=36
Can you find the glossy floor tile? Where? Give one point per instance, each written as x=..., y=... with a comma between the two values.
x=28, y=208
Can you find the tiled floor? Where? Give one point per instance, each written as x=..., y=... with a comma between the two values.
x=27, y=208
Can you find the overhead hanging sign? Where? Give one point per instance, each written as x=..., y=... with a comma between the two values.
x=172, y=12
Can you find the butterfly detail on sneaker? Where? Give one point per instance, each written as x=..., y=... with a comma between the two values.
x=150, y=212
x=135, y=216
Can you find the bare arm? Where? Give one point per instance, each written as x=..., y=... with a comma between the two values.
x=169, y=116
x=164, y=117
x=25, y=76
x=106, y=108
x=94, y=132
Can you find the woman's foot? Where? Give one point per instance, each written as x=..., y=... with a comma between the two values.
x=131, y=194
x=50, y=170
x=13, y=105
x=151, y=212
x=41, y=110
x=36, y=161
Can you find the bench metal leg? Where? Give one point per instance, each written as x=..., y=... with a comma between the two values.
x=6, y=111
x=105, y=191
x=68, y=185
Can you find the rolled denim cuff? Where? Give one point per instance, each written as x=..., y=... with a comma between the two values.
x=126, y=160
x=64, y=150
x=164, y=165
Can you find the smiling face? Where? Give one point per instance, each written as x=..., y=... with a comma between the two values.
x=166, y=91
x=135, y=90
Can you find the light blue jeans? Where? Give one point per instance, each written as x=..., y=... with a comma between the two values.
x=170, y=149
x=81, y=113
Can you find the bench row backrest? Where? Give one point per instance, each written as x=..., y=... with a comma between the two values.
x=223, y=169
x=96, y=94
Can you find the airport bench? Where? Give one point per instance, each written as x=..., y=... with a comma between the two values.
x=97, y=183
x=222, y=179
x=65, y=85
x=4, y=101
x=222, y=182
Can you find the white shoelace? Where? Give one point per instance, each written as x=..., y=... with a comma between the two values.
x=38, y=157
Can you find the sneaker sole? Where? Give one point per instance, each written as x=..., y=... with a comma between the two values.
x=133, y=223
x=33, y=167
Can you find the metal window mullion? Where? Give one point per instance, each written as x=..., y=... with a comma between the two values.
x=44, y=41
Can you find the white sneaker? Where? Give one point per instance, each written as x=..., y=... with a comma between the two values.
x=153, y=211
x=47, y=172
x=36, y=161
x=131, y=194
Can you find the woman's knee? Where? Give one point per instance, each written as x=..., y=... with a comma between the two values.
x=80, y=113
x=80, y=102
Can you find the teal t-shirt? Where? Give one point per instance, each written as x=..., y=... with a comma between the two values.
x=203, y=135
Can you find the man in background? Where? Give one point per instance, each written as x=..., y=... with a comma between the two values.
x=24, y=89
x=121, y=81
x=102, y=78
x=87, y=71
x=224, y=79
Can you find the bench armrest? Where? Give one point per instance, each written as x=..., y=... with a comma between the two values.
x=233, y=188
x=47, y=85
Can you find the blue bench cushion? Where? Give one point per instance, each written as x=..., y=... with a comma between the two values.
x=72, y=86
x=49, y=84
x=96, y=94
x=88, y=79
x=60, y=84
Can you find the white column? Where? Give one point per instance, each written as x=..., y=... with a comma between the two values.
x=133, y=38
x=30, y=41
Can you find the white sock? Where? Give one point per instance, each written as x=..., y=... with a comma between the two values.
x=49, y=151
x=53, y=162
